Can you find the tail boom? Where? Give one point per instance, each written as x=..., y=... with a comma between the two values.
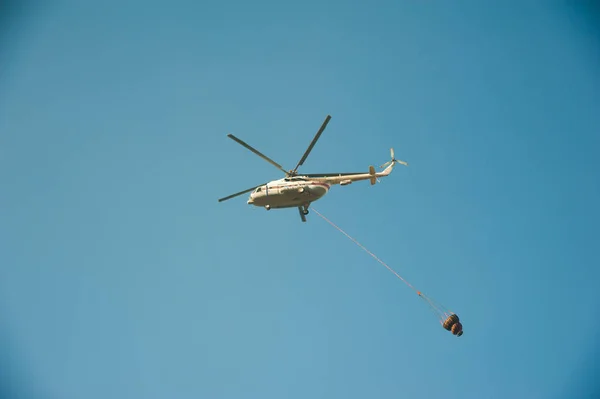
x=372, y=176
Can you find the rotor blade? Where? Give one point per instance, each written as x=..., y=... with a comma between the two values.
x=312, y=144
x=240, y=193
x=396, y=161
x=266, y=158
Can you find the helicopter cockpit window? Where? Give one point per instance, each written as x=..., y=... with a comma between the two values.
x=258, y=190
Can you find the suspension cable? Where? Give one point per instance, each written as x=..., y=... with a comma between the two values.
x=366, y=250
x=441, y=312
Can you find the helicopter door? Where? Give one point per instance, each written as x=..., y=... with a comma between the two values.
x=273, y=190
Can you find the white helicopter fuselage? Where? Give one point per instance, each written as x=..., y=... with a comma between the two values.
x=295, y=191
x=288, y=193
x=292, y=192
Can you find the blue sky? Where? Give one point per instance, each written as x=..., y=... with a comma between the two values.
x=123, y=277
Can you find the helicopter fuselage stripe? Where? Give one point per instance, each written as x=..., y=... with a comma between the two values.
x=300, y=185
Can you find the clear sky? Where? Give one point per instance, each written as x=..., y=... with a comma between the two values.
x=121, y=276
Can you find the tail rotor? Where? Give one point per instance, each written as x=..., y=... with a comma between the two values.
x=393, y=160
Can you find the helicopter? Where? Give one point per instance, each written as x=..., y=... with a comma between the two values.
x=299, y=191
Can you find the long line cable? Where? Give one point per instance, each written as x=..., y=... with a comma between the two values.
x=438, y=309
x=366, y=250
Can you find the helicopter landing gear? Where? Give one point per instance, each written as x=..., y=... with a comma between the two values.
x=303, y=212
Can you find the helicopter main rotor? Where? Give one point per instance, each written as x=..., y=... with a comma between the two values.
x=292, y=172
x=288, y=173
x=266, y=158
